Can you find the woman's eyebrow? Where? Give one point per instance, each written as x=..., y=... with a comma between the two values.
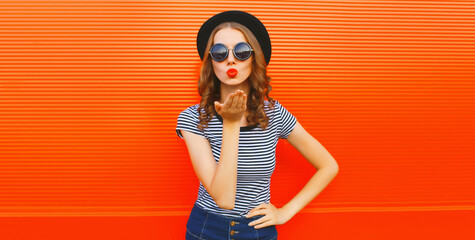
x=227, y=44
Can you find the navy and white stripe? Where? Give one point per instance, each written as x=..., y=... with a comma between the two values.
x=256, y=155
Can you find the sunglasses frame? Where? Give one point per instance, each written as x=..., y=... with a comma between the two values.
x=227, y=52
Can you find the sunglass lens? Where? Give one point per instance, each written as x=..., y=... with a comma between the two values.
x=219, y=52
x=242, y=51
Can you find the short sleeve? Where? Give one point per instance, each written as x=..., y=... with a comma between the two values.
x=287, y=121
x=188, y=120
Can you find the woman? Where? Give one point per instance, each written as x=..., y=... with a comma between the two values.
x=232, y=133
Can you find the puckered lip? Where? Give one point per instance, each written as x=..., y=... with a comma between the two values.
x=232, y=72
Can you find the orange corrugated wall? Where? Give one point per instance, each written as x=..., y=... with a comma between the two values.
x=90, y=92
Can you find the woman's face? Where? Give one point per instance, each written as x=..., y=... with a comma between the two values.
x=230, y=37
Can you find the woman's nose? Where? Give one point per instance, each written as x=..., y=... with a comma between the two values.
x=231, y=56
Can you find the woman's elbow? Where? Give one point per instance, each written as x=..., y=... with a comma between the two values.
x=336, y=168
x=226, y=205
x=333, y=166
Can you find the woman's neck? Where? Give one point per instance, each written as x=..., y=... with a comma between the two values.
x=225, y=90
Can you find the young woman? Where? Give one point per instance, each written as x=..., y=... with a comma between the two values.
x=231, y=135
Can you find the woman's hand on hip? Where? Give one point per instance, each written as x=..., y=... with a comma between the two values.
x=272, y=215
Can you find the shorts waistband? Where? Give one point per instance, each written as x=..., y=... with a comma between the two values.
x=225, y=218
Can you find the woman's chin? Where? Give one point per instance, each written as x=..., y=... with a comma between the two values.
x=236, y=80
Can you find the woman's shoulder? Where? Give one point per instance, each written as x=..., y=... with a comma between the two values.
x=190, y=112
x=267, y=105
x=275, y=101
x=192, y=108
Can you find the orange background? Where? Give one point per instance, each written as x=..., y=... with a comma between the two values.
x=90, y=92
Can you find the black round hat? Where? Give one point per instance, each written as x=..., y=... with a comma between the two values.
x=244, y=18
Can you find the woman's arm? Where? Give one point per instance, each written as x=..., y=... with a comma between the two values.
x=220, y=179
x=225, y=177
x=320, y=158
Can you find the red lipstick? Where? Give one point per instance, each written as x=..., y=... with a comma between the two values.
x=232, y=72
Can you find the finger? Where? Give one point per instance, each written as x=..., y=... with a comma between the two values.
x=239, y=97
x=256, y=213
x=244, y=102
x=262, y=205
x=267, y=223
x=239, y=101
x=256, y=221
x=261, y=221
x=235, y=99
x=229, y=100
x=257, y=208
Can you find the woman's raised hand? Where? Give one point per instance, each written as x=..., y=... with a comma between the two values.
x=233, y=107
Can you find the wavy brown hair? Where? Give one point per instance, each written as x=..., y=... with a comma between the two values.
x=209, y=84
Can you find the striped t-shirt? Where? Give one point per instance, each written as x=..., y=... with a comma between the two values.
x=256, y=155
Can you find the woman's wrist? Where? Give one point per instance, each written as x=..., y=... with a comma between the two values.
x=287, y=212
x=230, y=122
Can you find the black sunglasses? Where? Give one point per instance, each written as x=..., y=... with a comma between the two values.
x=241, y=51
